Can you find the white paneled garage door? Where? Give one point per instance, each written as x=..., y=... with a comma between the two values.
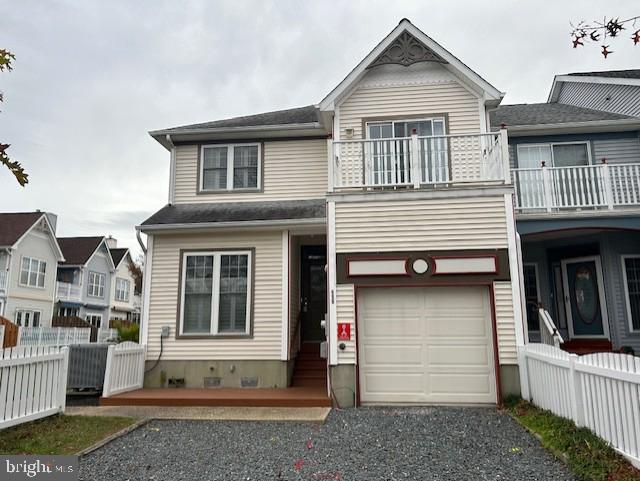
x=425, y=345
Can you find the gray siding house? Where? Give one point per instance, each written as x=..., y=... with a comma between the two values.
x=576, y=175
x=84, y=279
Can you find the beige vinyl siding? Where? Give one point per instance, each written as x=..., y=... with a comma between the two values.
x=505, y=322
x=451, y=223
x=617, y=151
x=267, y=307
x=294, y=169
x=411, y=100
x=345, y=303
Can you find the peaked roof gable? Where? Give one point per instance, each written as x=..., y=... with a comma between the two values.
x=118, y=254
x=14, y=226
x=409, y=48
x=613, y=77
x=79, y=250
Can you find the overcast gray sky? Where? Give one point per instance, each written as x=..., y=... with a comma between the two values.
x=91, y=78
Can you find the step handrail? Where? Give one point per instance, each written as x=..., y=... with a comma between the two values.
x=549, y=334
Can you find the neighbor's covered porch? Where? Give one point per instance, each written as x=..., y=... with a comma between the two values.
x=586, y=279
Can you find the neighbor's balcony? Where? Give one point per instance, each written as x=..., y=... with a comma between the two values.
x=420, y=162
x=589, y=187
x=3, y=281
x=68, y=292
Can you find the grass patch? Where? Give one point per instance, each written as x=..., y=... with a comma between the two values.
x=59, y=434
x=589, y=457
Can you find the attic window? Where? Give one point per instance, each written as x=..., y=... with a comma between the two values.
x=230, y=167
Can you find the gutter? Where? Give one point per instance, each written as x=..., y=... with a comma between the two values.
x=253, y=128
x=595, y=124
x=232, y=224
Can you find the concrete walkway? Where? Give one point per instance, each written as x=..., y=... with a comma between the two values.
x=314, y=414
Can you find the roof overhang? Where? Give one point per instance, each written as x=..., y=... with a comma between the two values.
x=558, y=80
x=50, y=231
x=236, y=225
x=167, y=137
x=491, y=96
x=595, y=126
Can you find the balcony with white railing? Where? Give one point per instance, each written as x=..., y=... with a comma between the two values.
x=420, y=162
x=605, y=187
x=3, y=281
x=68, y=292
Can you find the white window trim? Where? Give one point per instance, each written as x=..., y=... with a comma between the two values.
x=127, y=291
x=535, y=267
x=44, y=280
x=230, y=156
x=550, y=145
x=104, y=282
x=627, y=298
x=25, y=310
x=394, y=121
x=216, y=293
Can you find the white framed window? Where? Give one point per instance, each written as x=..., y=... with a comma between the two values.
x=532, y=294
x=96, y=284
x=404, y=128
x=554, y=154
x=27, y=317
x=123, y=287
x=230, y=167
x=631, y=277
x=32, y=272
x=68, y=311
x=216, y=293
x=94, y=319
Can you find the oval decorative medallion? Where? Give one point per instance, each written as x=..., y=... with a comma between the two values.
x=420, y=266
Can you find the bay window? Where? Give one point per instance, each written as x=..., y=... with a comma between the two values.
x=216, y=293
x=230, y=167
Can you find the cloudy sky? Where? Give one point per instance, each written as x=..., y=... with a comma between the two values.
x=91, y=78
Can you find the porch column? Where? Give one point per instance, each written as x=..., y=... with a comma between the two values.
x=284, y=353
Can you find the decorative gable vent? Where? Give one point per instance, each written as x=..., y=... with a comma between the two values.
x=406, y=50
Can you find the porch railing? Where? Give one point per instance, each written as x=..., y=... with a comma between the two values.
x=3, y=280
x=417, y=162
x=68, y=292
x=552, y=189
x=548, y=331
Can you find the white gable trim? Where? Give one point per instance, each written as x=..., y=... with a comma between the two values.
x=455, y=66
x=558, y=80
x=52, y=238
x=126, y=254
x=108, y=256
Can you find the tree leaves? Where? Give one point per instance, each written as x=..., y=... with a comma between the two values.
x=601, y=30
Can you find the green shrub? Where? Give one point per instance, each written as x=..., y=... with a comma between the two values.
x=128, y=333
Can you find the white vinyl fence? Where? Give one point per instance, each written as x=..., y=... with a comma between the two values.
x=33, y=383
x=599, y=391
x=109, y=334
x=1, y=336
x=125, y=368
x=53, y=336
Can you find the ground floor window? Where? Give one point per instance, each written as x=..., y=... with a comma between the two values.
x=94, y=319
x=631, y=274
x=532, y=295
x=216, y=293
x=27, y=317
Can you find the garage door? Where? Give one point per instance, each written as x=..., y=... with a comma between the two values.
x=425, y=345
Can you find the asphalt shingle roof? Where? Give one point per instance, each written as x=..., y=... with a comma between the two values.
x=548, y=113
x=14, y=224
x=238, y=211
x=632, y=73
x=300, y=115
x=78, y=250
x=117, y=254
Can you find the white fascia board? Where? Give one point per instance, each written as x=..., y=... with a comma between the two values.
x=52, y=237
x=574, y=127
x=558, y=80
x=267, y=224
x=454, y=65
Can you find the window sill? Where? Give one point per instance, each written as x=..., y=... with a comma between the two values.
x=214, y=336
x=256, y=190
x=31, y=287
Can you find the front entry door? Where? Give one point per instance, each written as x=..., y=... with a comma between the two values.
x=584, y=297
x=313, y=292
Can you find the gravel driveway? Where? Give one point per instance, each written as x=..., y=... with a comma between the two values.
x=417, y=444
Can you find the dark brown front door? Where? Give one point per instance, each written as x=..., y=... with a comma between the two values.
x=313, y=292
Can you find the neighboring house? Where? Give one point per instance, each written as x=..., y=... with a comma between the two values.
x=386, y=209
x=29, y=256
x=122, y=285
x=616, y=91
x=84, y=279
x=576, y=174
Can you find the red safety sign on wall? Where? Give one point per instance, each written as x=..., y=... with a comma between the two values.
x=344, y=331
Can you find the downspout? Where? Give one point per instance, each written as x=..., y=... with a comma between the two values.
x=172, y=171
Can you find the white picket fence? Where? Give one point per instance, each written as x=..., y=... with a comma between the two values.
x=33, y=383
x=108, y=334
x=1, y=336
x=125, y=368
x=53, y=336
x=599, y=391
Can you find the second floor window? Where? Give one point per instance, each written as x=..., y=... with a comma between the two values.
x=96, y=284
x=32, y=272
x=531, y=156
x=122, y=289
x=230, y=167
